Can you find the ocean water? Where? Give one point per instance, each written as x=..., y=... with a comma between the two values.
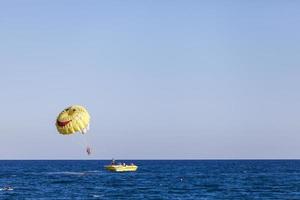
x=155, y=179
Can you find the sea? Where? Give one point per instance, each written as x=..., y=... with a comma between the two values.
x=154, y=179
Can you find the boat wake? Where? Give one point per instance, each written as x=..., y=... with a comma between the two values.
x=73, y=172
x=65, y=173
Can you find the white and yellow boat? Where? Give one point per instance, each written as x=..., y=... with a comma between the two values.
x=121, y=168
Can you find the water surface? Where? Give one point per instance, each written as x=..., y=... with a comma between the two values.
x=155, y=179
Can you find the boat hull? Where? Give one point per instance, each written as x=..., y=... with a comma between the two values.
x=121, y=168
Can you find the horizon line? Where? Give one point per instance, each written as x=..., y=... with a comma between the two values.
x=158, y=159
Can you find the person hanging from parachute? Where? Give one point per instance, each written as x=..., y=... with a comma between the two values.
x=88, y=150
x=74, y=119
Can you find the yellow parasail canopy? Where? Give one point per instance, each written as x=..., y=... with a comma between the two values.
x=73, y=119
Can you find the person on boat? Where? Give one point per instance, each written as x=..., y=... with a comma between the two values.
x=88, y=150
x=113, y=162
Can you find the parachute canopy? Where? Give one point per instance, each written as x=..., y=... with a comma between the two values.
x=73, y=119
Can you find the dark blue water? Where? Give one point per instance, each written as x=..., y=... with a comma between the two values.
x=246, y=179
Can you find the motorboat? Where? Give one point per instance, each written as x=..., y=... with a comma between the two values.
x=121, y=167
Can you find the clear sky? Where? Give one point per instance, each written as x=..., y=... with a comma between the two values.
x=161, y=79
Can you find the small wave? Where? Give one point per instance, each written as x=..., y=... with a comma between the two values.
x=7, y=175
x=62, y=182
x=96, y=196
x=6, y=189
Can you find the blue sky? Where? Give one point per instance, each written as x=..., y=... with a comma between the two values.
x=161, y=79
